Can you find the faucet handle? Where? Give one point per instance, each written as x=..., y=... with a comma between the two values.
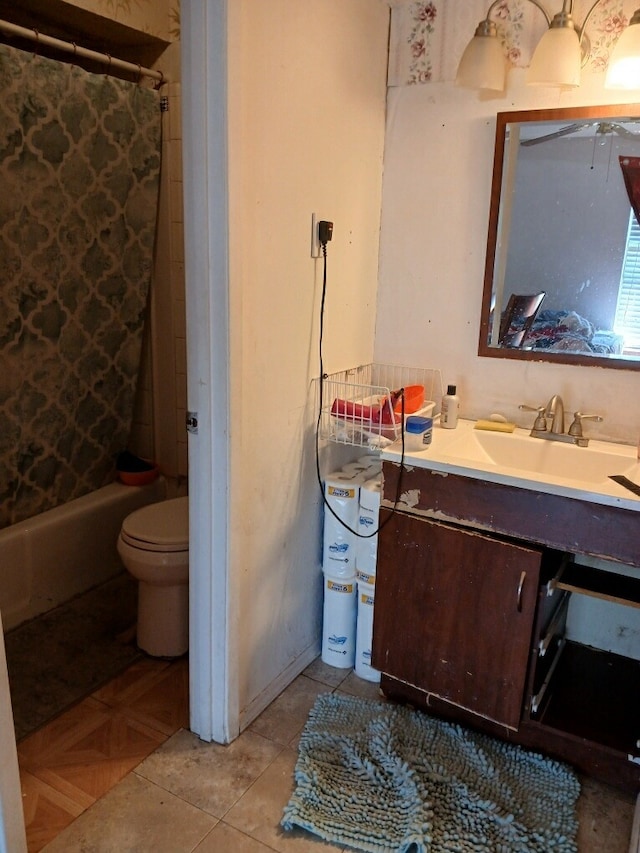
x=540, y=423
x=576, y=427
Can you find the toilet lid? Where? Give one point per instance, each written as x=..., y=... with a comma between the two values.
x=162, y=526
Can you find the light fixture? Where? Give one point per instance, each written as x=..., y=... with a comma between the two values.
x=482, y=65
x=557, y=59
x=624, y=66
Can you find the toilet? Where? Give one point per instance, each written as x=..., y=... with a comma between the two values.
x=154, y=546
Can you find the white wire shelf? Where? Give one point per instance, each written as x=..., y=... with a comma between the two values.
x=362, y=406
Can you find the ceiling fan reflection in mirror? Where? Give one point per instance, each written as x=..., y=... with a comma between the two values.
x=602, y=128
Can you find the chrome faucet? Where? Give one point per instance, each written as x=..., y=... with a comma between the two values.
x=555, y=411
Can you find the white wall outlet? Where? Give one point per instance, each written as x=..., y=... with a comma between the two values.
x=316, y=249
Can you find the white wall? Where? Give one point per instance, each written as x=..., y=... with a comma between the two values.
x=307, y=89
x=437, y=181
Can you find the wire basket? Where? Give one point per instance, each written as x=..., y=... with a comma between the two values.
x=362, y=406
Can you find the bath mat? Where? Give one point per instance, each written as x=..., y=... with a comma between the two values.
x=60, y=657
x=382, y=777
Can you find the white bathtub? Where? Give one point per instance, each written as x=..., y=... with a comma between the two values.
x=48, y=559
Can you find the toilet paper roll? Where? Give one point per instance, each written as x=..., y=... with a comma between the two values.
x=340, y=476
x=339, y=538
x=373, y=464
x=368, y=520
x=363, y=577
x=364, y=633
x=338, y=549
x=354, y=468
x=339, y=622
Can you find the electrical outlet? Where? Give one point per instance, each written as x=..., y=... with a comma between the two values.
x=316, y=245
x=316, y=249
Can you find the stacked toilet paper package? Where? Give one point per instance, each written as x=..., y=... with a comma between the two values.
x=349, y=565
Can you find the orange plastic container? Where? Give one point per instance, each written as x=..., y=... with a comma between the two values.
x=139, y=478
x=413, y=400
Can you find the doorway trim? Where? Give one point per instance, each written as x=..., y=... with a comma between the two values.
x=13, y=837
x=213, y=676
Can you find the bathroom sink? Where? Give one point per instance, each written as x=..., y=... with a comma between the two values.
x=519, y=451
x=516, y=458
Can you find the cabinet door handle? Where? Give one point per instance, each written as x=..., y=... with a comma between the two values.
x=520, y=588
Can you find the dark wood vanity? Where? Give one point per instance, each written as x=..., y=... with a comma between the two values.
x=473, y=584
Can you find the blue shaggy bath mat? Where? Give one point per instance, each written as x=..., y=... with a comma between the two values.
x=381, y=777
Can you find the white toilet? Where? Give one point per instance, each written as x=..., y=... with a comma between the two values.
x=154, y=547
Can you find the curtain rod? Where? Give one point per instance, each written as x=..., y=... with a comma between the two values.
x=72, y=47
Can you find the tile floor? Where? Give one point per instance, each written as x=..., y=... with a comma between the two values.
x=121, y=772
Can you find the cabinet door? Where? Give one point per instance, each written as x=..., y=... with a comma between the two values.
x=454, y=613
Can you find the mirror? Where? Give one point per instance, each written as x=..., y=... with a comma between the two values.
x=564, y=235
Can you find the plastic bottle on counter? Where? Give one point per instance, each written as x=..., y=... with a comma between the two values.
x=449, y=408
x=417, y=433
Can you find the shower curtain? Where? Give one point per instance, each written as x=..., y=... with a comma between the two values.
x=79, y=178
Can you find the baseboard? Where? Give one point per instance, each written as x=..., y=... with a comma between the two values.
x=275, y=688
x=634, y=846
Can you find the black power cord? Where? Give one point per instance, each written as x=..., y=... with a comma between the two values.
x=325, y=232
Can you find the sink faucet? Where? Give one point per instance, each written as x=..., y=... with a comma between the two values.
x=555, y=410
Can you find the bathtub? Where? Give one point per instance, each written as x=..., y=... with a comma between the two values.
x=58, y=554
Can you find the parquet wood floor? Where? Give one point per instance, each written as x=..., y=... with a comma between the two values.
x=76, y=758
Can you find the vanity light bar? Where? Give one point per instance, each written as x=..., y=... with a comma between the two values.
x=558, y=57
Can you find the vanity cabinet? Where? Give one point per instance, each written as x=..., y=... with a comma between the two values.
x=459, y=614
x=471, y=609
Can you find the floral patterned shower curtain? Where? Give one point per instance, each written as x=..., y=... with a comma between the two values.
x=79, y=176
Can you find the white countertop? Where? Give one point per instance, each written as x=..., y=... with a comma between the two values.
x=461, y=451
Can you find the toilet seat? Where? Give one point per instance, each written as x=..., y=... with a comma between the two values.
x=159, y=527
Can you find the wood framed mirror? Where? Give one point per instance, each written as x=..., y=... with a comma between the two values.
x=563, y=223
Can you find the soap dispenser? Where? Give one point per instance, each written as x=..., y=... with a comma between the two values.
x=449, y=408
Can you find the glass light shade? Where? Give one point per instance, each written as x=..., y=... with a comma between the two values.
x=482, y=65
x=624, y=66
x=557, y=59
